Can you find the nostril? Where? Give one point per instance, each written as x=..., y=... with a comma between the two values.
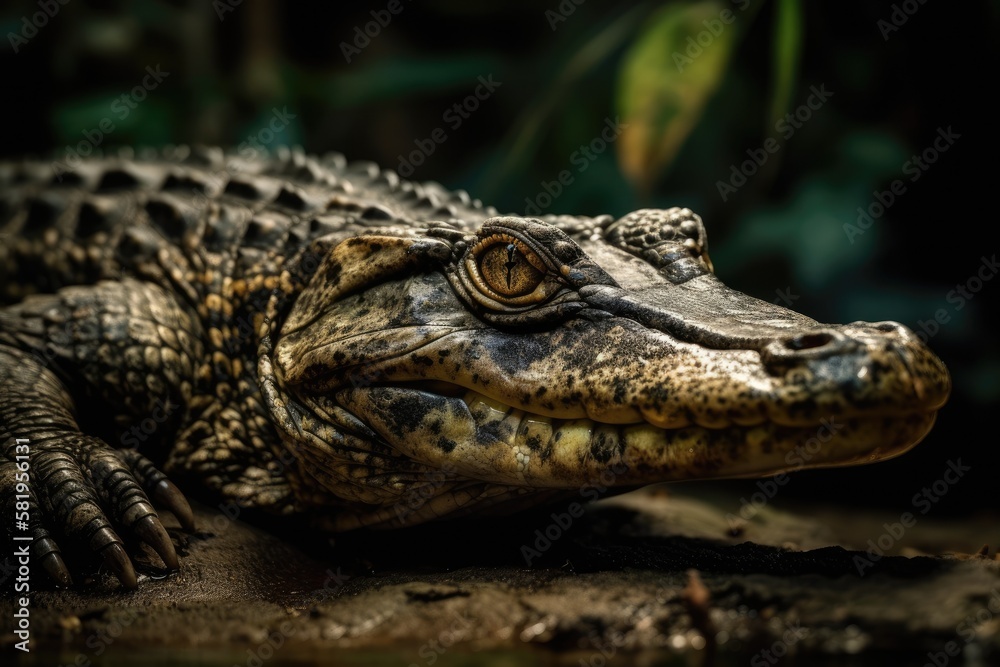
x=892, y=328
x=809, y=341
x=790, y=351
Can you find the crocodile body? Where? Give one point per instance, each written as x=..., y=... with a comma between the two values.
x=306, y=336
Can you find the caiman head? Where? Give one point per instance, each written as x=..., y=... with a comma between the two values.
x=533, y=355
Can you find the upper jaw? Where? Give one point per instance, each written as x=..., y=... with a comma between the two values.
x=780, y=364
x=617, y=372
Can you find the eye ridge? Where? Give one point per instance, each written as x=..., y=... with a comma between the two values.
x=527, y=252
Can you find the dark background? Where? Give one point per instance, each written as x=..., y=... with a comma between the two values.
x=782, y=233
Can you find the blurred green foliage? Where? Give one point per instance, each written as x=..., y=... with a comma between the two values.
x=667, y=76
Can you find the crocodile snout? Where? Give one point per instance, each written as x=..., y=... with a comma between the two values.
x=882, y=365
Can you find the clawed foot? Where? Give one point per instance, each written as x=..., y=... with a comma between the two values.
x=81, y=489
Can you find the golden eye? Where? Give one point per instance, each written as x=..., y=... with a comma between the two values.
x=507, y=271
x=504, y=269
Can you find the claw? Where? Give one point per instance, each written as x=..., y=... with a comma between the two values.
x=109, y=545
x=167, y=495
x=117, y=560
x=53, y=564
x=45, y=550
x=151, y=531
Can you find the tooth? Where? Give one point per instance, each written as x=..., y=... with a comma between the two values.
x=747, y=419
x=715, y=419
x=665, y=421
x=484, y=409
x=646, y=439
x=756, y=436
x=676, y=454
x=608, y=433
x=534, y=433
x=615, y=414
x=574, y=435
x=510, y=425
x=606, y=442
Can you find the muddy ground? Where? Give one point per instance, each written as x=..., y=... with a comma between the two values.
x=659, y=575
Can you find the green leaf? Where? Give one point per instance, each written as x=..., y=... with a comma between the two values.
x=785, y=55
x=668, y=74
x=525, y=132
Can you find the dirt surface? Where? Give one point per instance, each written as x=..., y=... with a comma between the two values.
x=650, y=570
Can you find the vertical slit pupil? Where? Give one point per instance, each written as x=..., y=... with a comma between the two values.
x=511, y=262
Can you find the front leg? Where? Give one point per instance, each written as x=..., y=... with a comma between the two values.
x=79, y=369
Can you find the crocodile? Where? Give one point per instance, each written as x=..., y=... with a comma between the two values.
x=314, y=337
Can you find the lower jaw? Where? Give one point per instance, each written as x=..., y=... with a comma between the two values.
x=492, y=443
x=769, y=449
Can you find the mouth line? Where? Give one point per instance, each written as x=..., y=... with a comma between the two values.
x=470, y=395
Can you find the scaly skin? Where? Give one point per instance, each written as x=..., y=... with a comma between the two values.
x=304, y=336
